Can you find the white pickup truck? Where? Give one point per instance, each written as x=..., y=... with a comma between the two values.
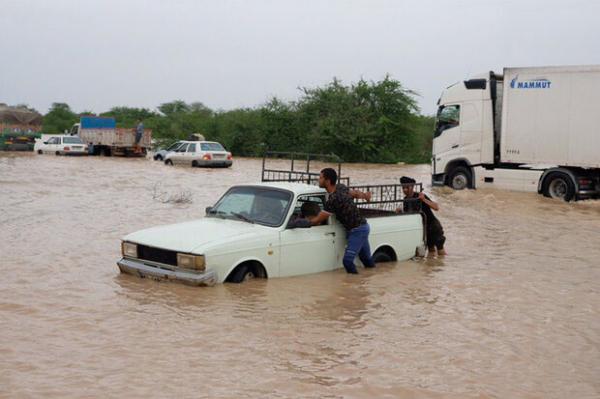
x=246, y=235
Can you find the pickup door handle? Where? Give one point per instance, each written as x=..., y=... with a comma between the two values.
x=330, y=234
x=455, y=146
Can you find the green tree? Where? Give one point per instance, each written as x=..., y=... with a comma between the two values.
x=59, y=118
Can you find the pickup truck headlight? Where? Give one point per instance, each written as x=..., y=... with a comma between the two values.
x=129, y=249
x=187, y=261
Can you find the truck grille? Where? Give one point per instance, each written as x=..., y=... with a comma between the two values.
x=157, y=255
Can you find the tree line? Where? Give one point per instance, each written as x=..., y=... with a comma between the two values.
x=360, y=122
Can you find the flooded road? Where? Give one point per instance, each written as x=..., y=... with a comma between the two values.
x=512, y=312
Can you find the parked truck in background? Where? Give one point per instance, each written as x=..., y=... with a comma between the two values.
x=104, y=137
x=529, y=129
x=19, y=127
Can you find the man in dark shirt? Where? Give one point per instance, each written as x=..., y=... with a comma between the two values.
x=415, y=202
x=139, y=133
x=341, y=203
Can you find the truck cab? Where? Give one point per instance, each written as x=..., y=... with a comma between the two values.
x=464, y=132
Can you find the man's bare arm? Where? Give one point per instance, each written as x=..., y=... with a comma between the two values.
x=432, y=204
x=320, y=218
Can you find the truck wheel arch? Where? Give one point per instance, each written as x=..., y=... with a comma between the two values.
x=255, y=265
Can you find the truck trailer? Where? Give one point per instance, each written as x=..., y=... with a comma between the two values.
x=528, y=129
x=104, y=137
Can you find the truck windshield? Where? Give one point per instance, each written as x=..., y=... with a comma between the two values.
x=448, y=116
x=260, y=205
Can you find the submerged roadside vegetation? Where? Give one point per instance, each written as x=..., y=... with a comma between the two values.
x=359, y=122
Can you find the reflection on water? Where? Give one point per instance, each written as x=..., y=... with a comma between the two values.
x=513, y=311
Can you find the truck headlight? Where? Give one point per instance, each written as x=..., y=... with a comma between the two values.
x=129, y=249
x=187, y=261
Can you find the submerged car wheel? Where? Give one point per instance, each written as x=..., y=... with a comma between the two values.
x=40, y=152
x=169, y=162
x=194, y=164
x=57, y=153
x=158, y=158
x=242, y=273
x=381, y=256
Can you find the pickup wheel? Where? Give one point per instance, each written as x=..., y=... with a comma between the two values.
x=169, y=162
x=242, y=273
x=459, y=178
x=559, y=186
x=380, y=257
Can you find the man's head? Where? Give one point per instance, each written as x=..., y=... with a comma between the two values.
x=310, y=209
x=327, y=178
x=408, y=185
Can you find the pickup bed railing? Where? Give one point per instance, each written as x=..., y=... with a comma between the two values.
x=299, y=170
x=386, y=199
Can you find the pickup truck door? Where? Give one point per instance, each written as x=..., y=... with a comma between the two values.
x=308, y=250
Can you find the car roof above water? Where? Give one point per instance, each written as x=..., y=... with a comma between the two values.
x=296, y=188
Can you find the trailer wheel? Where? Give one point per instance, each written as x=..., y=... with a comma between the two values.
x=169, y=162
x=459, y=178
x=559, y=186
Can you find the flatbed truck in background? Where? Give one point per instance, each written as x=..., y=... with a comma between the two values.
x=529, y=129
x=105, y=138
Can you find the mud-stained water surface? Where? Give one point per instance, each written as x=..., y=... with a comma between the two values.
x=512, y=312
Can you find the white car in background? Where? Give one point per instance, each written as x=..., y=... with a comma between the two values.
x=60, y=145
x=200, y=153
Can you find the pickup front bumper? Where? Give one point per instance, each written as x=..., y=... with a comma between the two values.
x=159, y=272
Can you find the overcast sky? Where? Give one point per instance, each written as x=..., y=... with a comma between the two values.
x=227, y=54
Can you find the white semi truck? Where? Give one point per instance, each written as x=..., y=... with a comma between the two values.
x=528, y=129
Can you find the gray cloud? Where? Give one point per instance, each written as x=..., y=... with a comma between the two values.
x=227, y=54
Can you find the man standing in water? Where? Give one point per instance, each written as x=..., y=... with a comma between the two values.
x=435, y=232
x=139, y=133
x=341, y=203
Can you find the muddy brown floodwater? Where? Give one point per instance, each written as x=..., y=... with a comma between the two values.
x=512, y=312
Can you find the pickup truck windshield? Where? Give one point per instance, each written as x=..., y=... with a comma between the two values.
x=256, y=204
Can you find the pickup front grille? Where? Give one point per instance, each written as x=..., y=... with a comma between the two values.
x=157, y=255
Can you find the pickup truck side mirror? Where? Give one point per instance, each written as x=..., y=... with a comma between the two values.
x=208, y=210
